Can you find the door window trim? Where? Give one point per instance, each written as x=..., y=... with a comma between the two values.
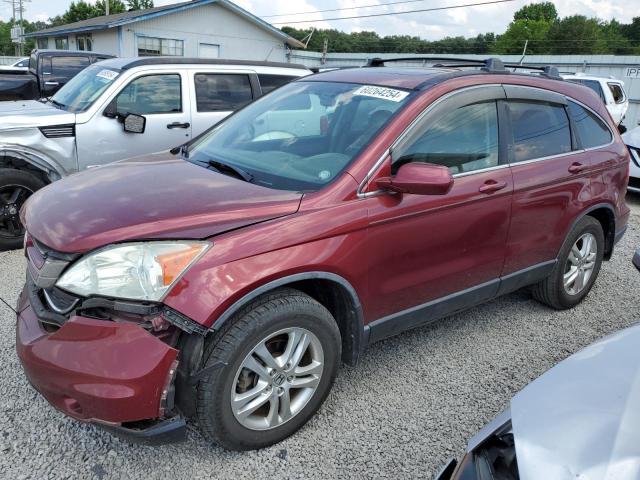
x=154, y=74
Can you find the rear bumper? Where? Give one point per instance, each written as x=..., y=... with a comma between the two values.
x=106, y=372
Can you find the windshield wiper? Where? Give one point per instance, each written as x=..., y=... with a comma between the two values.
x=58, y=104
x=246, y=176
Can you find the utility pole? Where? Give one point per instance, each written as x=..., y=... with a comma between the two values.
x=106, y=7
x=325, y=50
x=17, y=7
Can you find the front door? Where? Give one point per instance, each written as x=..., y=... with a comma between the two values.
x=430, y=254
x=163, y=100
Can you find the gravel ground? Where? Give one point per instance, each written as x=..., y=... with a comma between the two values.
x=411, y=404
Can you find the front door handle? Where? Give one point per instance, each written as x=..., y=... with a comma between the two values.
x=576, y=167
x=491, y=186
x=173, y=125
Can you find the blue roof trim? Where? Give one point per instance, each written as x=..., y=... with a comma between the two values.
x=196, y=3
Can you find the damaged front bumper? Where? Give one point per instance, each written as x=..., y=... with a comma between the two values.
x=114, y=374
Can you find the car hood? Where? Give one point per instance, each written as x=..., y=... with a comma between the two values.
x=632, y=137
x=31, y=113
x=153, y=197
x=581, y=419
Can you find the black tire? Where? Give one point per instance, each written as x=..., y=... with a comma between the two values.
x=551, y=291
x=270, y=313
x=12, y=178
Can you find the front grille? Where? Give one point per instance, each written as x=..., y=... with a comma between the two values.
x=634, y=182
x=59, y=131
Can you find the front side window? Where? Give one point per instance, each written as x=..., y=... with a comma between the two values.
x=300, y=150
x=43, y=43
x=151, y=94
x=23, y=63
x=591, y=131
x=617, y=92
x=79, y=93
x=540, y=129
x=153, y=46
x=67, y=67
x=465, y=140
x=62, y=43
x=217, y=92
x=84, y=42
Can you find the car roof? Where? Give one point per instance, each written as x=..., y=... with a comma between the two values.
x=406, y=78
x=128, y=63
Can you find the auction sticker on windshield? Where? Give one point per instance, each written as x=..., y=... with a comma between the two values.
x=382, y=93
x=107, y=74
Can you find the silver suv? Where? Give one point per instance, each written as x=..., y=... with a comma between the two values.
x=116, y=109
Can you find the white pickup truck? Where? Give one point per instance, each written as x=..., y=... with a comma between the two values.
x=116, y=109
x=609, y=89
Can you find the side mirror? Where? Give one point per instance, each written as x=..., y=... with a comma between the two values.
x=419, y=179
x=636, y=259
x=134, y=123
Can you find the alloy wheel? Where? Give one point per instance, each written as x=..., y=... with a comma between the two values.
x=580, y=264
x=12, y=198
x=277, y=379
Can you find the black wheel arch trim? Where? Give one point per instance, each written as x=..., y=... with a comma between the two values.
x=609, y=240
x=358, y=334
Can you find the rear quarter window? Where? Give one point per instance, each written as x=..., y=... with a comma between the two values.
x=271, y=82
x=590, y=130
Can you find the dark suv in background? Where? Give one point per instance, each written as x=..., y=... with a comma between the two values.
x=225, y=282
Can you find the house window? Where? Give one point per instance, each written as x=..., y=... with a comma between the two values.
x=152, y=46
x=43, y=43
x=62, y=43
x=84, y=42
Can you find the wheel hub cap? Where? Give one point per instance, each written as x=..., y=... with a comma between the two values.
x=580, y=264
x=277, y=379
x=12, y=197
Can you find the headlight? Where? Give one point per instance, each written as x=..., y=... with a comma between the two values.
x=136, y=271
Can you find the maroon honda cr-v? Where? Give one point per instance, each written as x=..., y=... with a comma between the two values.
x=226, y=281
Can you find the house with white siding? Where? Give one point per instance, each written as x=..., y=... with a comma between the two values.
x=198, y=28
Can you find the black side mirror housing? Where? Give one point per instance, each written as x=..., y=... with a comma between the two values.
x=111, y=111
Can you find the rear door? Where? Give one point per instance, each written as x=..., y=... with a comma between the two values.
x=58, y=70
x=215, y=95
x=551, y=177
x=162, y=97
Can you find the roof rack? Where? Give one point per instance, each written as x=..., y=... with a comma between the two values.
x=492, y=65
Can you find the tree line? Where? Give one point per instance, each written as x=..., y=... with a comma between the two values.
x=538, y=25
x=78, y=10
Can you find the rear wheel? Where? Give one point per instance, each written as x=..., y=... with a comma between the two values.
x=577, y=268
x=15, y=187
x=277, y=362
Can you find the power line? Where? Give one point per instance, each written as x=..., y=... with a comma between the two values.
x=395, y=13
x=341, y=9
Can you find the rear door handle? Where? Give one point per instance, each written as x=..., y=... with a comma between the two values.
x=576, y=167
x=173, y=125
x=491, y=186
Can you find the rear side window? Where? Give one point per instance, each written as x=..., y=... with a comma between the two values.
x=218, y=92
x=593, y=85
x=151, y=94
x=68, y=66
x=465, y=140
x=271, y=82
x=617, y=92
x=540, y=129
x=590, y=130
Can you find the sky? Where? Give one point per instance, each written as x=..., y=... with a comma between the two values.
x=467, y=22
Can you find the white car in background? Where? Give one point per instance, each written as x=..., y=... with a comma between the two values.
x=632, y=140
x=609, y=89
x=19, y=66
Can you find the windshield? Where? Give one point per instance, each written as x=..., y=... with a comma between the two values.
x=301, y=136
x=85, y=88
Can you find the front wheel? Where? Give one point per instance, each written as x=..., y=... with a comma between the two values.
x=15, y=187
x=279, y=359
x=577, y=268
